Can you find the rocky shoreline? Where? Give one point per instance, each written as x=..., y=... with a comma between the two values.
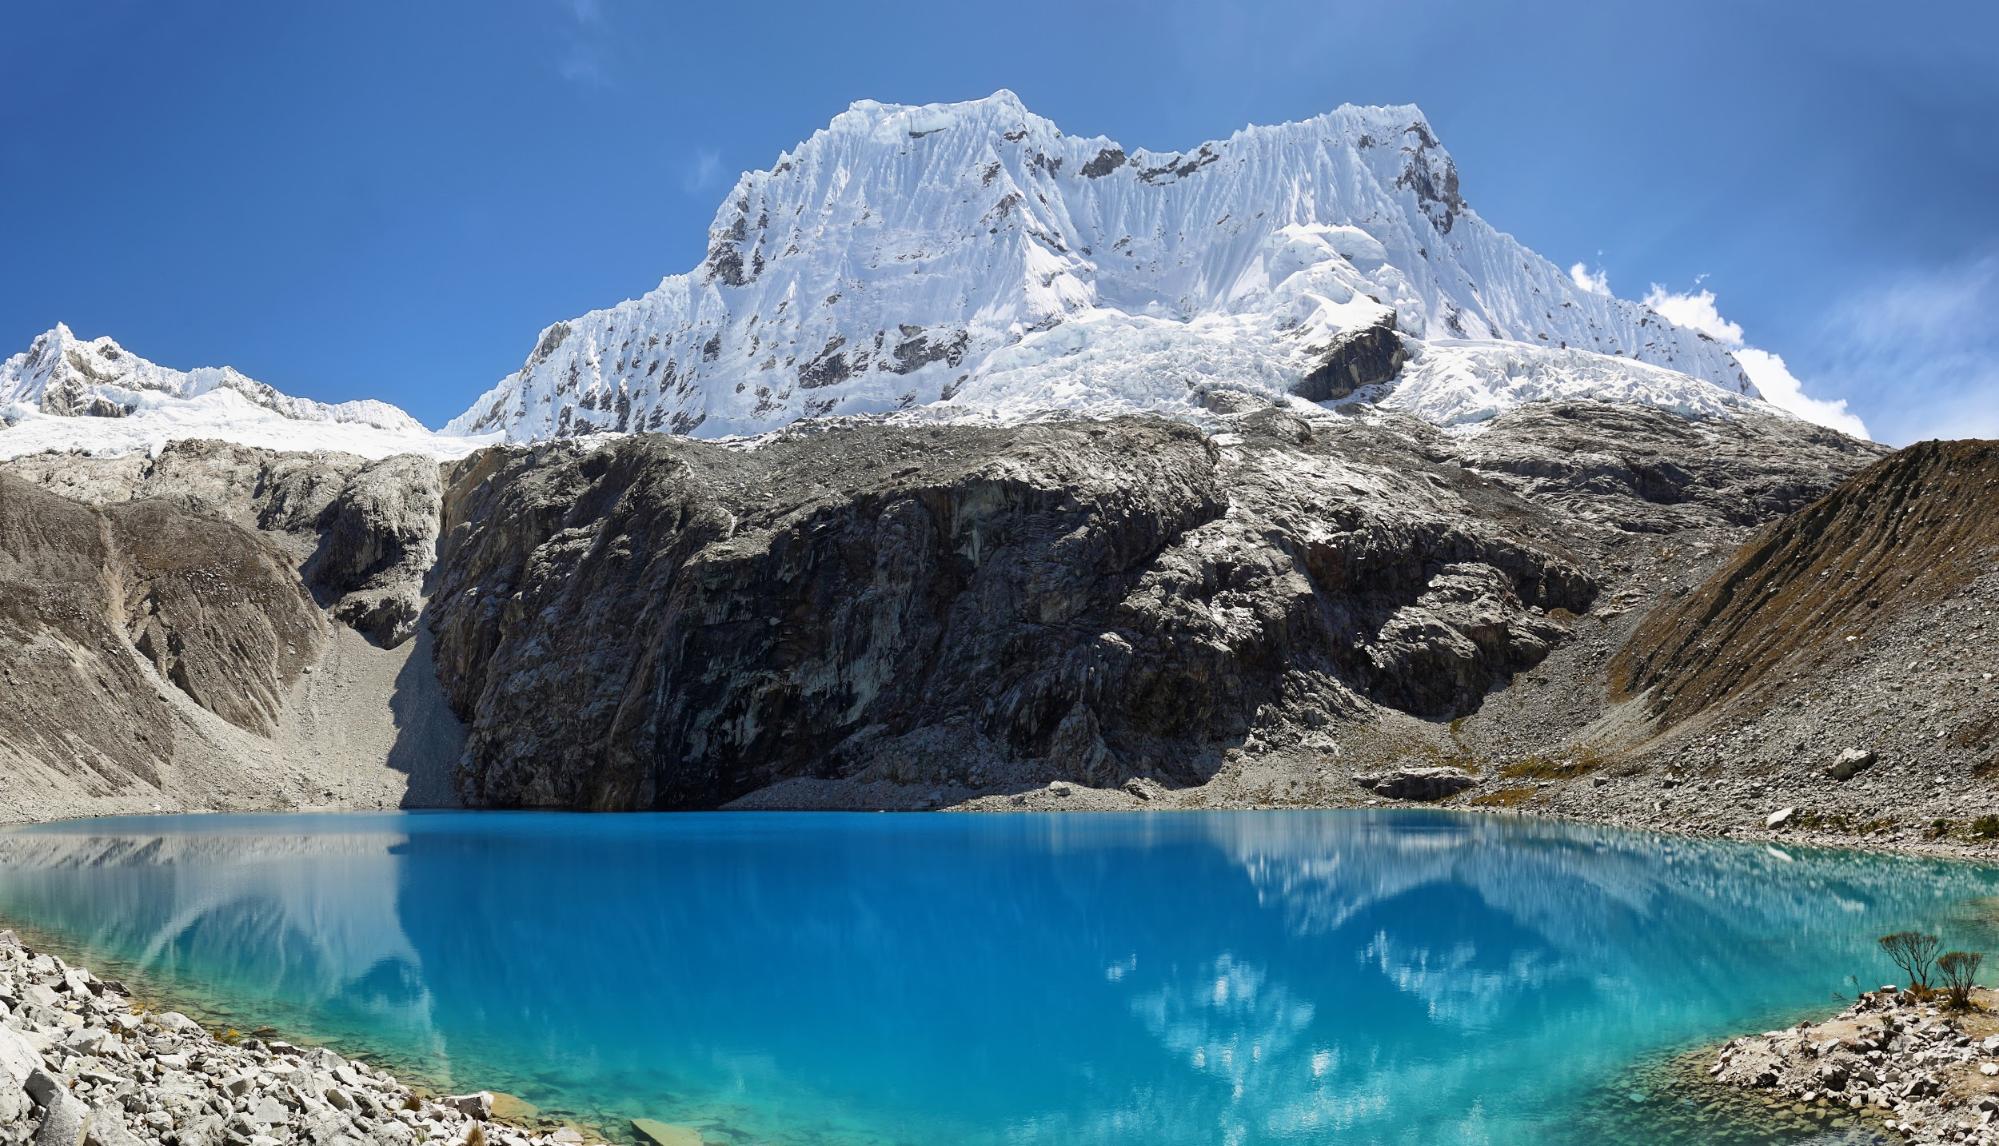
x=1909, y=1066
x=83, y=1064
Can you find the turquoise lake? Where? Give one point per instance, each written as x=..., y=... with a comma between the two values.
x=1238, y=978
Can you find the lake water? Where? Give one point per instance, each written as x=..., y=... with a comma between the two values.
x=1278, y=977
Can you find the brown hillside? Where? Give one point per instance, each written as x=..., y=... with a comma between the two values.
x=1894, y=544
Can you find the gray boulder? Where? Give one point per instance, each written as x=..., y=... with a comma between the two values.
x=1422, y=784
x=62, y=1121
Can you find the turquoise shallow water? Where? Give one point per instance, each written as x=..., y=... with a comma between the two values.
x=1280, y=977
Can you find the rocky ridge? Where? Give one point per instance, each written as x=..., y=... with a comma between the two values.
x=956, y=610
x=1130, y=612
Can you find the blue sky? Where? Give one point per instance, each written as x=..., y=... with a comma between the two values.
x=390, y=200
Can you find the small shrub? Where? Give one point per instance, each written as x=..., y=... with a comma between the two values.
x=1915, y=953
x=1502, y=798
x=1959, y=970
x=475, y=1136
x=1985, y=827
x=230, y=1037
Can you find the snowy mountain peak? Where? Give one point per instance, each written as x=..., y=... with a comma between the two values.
x=969, y=259
x=66, y=376
x=64, y=392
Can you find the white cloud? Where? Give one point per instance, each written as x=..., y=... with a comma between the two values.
x=701, y=171
x=1782, y=389
x=1595, y=282
x=1695, y=311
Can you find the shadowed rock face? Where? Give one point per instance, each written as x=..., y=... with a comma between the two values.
x=1364, y=357
x=662, y=623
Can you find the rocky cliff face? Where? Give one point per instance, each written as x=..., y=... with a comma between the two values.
x=864, y=614
x=666, y=623
x=90, y=599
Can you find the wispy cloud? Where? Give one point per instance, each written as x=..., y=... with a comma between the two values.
x=701, y=170
x=582, y=59
x=1927, y=342
x=1698, y=310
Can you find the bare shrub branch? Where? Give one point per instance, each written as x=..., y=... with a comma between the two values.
x=1915, y=953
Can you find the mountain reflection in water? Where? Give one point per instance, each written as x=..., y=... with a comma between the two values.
x=1186, y=977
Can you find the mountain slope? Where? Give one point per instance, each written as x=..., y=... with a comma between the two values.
x=971, y=260
x=1890, y=579
x=64, y=393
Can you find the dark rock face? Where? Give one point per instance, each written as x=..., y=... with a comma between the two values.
x=1363, y=357
x=376, y=541
x=663, y=623
x=1136, y=604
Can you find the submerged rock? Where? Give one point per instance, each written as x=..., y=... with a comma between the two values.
x=656, y=1133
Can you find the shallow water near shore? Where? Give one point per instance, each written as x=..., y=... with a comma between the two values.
x=1274, y=977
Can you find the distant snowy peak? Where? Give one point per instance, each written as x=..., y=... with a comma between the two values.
x=64, y=393
x=64, y=375
x=972, y=258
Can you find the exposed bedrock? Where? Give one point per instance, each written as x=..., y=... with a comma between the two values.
x=1365, y=356
x=361, y=533
x=666, y=623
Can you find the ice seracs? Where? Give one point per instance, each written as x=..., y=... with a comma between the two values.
x=971, y=259
x=66, y=393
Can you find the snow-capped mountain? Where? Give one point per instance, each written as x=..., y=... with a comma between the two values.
x=67, y=393
x=970, y=259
